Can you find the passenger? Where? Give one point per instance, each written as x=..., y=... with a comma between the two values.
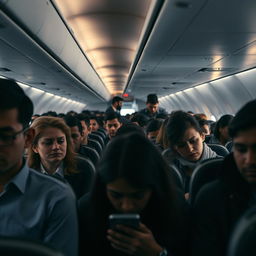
x=77, y=138
x=141, y=120
x=33, y=206
x=128, y=128
x=162, y=141
x=221, y=135
x=152, y=109
x=112, y=124
x=221, y=203
x=153, y=128
x=51, y=152
x=132, y=177
x=95, y=123
x=186, y=140
x=203, y=123
x=116, y=106
x=86, y=128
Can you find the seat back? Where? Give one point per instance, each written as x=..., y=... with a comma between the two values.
x=94, y=144
x=90, y=153
x=219, y=149
x=242, y=240
x=17, y=246
x=229, y=146
x=97, y=137
x=178, y=180
x=205, y=172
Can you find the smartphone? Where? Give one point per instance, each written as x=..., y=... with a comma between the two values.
x=127, y=219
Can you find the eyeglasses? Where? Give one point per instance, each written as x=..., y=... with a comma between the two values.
x=7, y=139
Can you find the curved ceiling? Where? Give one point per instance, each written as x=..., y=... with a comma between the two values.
x=109, y=33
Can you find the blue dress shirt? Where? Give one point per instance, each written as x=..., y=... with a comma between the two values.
x=40, y=207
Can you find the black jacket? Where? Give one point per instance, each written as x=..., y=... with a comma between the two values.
x=218, y=206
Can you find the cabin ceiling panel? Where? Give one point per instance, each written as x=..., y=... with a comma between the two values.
x=248, y=80
x=208, y=34
x=108, y=32
x=45, y=39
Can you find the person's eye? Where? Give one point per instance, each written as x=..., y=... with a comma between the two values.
x=48, y=142
x=6, y=138
x=61, y=141
x=241, y=149
x=116, y=195
x=139, y=195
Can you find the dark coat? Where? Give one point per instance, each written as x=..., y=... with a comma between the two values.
x=218, y=206
x=160, y=111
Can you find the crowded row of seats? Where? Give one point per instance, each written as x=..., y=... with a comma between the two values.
x=188, y=201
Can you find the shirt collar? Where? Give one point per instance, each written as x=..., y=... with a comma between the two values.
x=59, y=170
x=20, y=179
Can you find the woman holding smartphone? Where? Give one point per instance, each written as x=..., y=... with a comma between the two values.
x=132, y=177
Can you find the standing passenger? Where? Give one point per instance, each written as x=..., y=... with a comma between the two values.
x=152, y=109
x=132, y=177
x=116, y=106
x=32, y=205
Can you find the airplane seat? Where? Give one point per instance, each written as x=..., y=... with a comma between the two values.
x=91, y=153
x=101, y=134
x=204, y=173
x=167, y=154
x=10, y=246
x=178, y=179
x=242, y=240
x=219, y=149
x=229, y=146
x=96, y=137
x=95, y=144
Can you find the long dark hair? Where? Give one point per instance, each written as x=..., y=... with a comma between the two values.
x=134, y=158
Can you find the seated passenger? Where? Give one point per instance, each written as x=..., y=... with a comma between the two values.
x=112, y=124
x=132, y=177
x=86, y=128
x=221, y=135
x=52, y=153
x=186, y=140
x=221, y=203
x=32, y=205
x=95, y=123
x=153, y=128
x=162, y=142
x=78, y=136
x=203, y=123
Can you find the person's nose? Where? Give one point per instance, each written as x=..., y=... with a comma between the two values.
x=127, y=205
x=250, y=158
x=55, y=145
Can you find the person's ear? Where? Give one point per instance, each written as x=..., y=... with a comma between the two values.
x=202, y=136
x=29, y=136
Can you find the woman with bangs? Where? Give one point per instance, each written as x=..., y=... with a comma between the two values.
x=52, y=153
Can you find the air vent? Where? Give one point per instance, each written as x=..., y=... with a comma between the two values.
x=5, y=70
x=216, y=69
x=183, y=4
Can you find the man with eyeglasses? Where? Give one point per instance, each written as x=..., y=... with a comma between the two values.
x=32, y=205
